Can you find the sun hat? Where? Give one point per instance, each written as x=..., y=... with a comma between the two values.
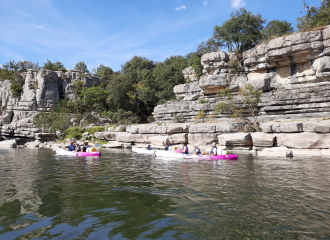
x=71, y=142
x=213, y=144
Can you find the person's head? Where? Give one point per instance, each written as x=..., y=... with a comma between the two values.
x=71, y=143
x=86, y=143
x=77, y=144
x=184, y=144
x=213, y=144
x=195, y=146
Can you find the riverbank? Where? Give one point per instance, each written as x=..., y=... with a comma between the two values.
x=280, y=138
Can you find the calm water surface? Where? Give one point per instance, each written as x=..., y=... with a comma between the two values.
x=128, y=196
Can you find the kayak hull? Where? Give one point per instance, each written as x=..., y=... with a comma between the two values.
x=62, y=152
x=143, y=150
x=171, y=154
x=217, y=157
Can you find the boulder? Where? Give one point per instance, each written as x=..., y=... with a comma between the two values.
x=99, y=135
x=227, y=127
x=158, y=140
x=238, y=141
x=114, y=144
x=260, y=139
x=45, y=136
x=177, y=138
x=161, y=129
x=8, y=143
x=33, y=144
x=304, y=140
x=111, y=129
x=282, y=127
x=202, y=139
x=202, y=128
x=147, y=129
x=133, y=138
x=262, y=84
x=132, y=129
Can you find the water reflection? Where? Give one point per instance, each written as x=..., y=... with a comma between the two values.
x=125, y=195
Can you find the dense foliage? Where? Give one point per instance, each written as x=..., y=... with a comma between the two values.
x=315, y=16
x=81, y=66
x=277, y=28
x=240, y=33
x=53, y=66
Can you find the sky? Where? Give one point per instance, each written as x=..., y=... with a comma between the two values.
x=111, y=32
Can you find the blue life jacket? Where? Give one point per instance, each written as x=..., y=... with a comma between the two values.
x=211, y=152
x=72, y=148
x=149, y=148
x=78, y=149
x=167, y=147
x=198, y=152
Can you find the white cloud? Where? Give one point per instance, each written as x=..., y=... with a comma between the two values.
x=205, y=2
x=237, y=3
x=181, y=8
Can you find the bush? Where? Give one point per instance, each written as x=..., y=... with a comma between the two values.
x=178, y=118
x=235, y=66
x=197, y=66
x=16, y=89
x=151, y=119
x=93, y=130
x=201, y=115
x=122, y=129
x=73, y=132
x=188, y=80
x=162, y=101
x=203, y=100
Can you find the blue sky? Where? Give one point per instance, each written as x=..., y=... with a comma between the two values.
x=112, y=32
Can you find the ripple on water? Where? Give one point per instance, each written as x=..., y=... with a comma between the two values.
x=125, y=195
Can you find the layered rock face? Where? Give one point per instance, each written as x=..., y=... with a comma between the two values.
x=41, y=90
x=293, y=73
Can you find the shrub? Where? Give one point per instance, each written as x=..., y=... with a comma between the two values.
x=197, y=66
x=159, y=124
x=235, y=66
x=201, y=115
x=16, y=89
x=178, y=118
x=122, y=129
x=73, y=132
x=162, y=101
x=93, y=130
x=151, y=119
x=203, y=100
x=188, y=80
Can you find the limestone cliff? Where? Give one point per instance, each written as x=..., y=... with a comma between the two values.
x=293, y=72
x=41, y=90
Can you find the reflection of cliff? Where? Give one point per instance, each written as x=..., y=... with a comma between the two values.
x=41, y=90
x=18, y=194
x=293, y=72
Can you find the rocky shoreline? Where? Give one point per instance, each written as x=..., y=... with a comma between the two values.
x=292, y=72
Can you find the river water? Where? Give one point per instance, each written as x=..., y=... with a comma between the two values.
x=122, y=195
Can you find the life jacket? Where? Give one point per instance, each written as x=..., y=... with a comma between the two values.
x=216, y=149
x=83, y=149
x=78, y=149
x=198, y=151
x=167, y=147
x=149, y=148
x=72, y=148
x=185, y=150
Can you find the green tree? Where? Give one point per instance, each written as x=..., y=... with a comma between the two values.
x=81, y=66
x=53, y=66
x=94, y=98
x=240, y=33
x=277, y=28
x=315, y=16
x=167, y=74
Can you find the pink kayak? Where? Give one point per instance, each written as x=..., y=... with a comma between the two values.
x=217, y=157
x=83, y=154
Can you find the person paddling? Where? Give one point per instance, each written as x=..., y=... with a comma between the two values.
x=214, y=150
x=78, y=149
x=72, y=147
x=197, y=150
x=148, y=147
x=84, y=147
x=184, y=148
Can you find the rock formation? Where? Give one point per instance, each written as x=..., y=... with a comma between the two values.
x=41, y=90
x=293, y=72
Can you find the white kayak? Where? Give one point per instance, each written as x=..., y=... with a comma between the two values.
x=171, y=154
x=143, y=150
